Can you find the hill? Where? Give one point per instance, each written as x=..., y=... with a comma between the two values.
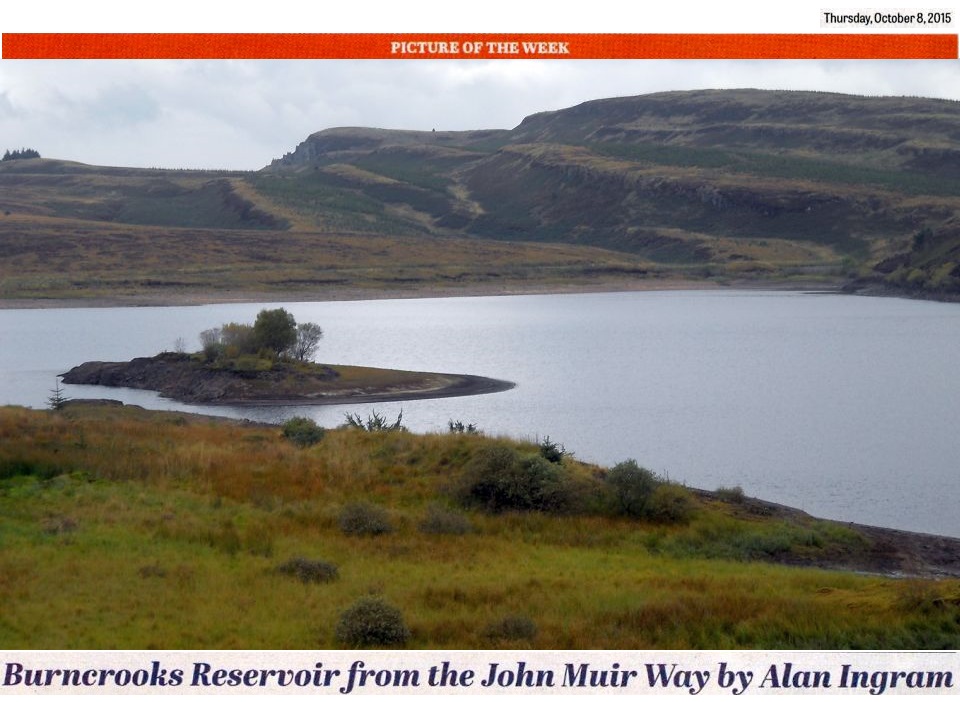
x=733, y=180
x=713, y=184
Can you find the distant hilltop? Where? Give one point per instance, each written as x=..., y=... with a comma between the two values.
x=714, y=185
x=687, y=177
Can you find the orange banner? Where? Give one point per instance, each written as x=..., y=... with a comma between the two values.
x=486, y=46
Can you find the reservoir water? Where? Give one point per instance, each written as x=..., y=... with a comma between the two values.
x=846, y=407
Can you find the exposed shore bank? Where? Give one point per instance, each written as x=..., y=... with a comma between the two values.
x=350, y=293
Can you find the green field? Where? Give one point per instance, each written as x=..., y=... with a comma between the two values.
x=122, y=528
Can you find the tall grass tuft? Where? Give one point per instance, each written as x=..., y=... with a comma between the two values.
x=512, y=628
x=440, y=520
x=309, y=571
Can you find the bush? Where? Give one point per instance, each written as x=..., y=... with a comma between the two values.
x=375, y=422
x=498, y=478
x=458, y=427
x=671, y=503
x=733, y=495
x=633, y=487
x=511, y=628
x=440, y=520
x=309, y=571
x=364, y=519
x=237, y=339
x=552, y=451
x=371, y=622
x=303, y=431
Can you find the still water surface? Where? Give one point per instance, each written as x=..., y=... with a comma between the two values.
x=846, y=407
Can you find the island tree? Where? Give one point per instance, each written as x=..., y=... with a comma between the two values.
x=275, y=332
x=308, y=340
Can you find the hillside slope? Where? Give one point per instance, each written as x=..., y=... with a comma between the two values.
x=714, y=184
x=686, y=177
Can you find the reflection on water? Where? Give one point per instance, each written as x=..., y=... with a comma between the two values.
x=842, y=406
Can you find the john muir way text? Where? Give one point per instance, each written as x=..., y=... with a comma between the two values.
x=513, y=675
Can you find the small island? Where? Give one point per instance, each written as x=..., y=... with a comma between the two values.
x=269, y=363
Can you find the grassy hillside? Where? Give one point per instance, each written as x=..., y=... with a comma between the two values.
x=734, y=182
x=122, y=528
x=53, y=258
x=721, y=185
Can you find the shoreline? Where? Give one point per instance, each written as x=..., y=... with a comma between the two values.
x=460, y=386
x=354, y=294
x=894, y=553
x=360, y=294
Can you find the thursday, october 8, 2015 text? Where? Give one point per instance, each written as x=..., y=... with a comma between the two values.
x=887, y=18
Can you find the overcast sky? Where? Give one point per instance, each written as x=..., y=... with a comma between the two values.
x=242, y=114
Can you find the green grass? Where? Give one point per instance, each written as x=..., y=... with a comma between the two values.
x=167, y=531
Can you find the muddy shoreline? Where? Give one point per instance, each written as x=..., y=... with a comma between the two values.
x=460, y=386
x=347, y=293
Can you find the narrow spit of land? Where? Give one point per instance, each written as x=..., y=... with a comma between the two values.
x=185, y=378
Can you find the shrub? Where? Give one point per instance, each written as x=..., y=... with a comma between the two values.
x=498, y=479
x=364, y=519
x=309, y=571
x=303, y=431
x=440, y=520
x=511, y=628
x=371, y=622
x=237, y=339
x=671, y=503
x=633, y=487
x=552, y=451
x=458, y=427
x=211, y=344
x=375, y=422
x=734, y=494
